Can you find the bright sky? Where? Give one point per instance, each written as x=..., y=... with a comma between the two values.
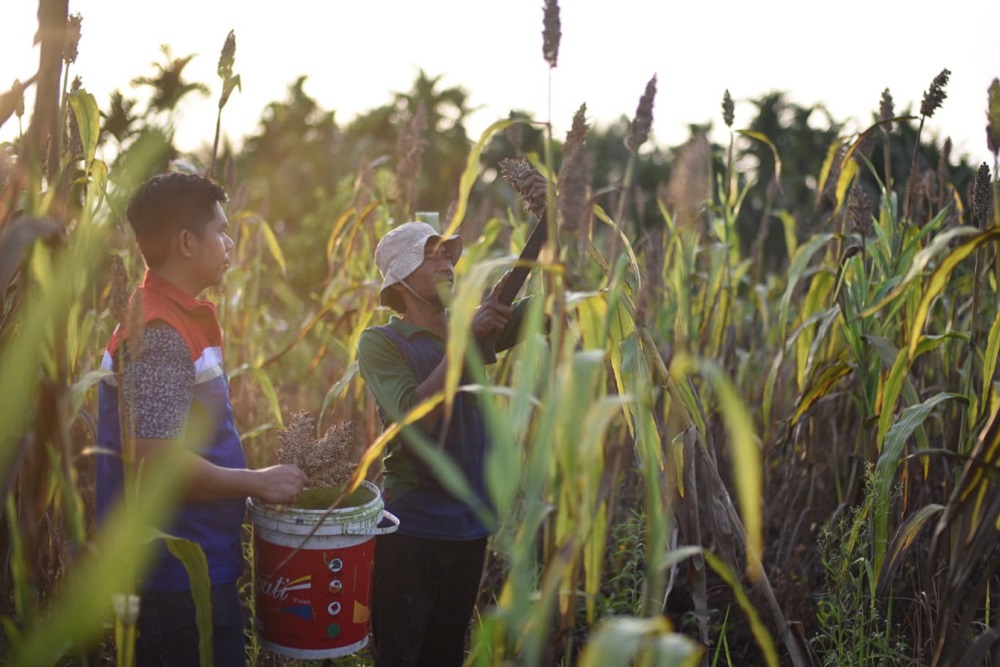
x=357, y=53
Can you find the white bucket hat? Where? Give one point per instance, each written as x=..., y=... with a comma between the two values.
x=401, y=252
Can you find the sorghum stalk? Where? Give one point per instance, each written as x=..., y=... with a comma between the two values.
x=225, y=71
x=886, y=113
x=933, y=97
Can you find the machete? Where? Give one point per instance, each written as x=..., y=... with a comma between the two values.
x=517, y=173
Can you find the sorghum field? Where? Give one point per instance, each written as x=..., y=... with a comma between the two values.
x=762, y=429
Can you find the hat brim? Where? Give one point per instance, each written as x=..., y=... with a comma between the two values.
x=454, y=243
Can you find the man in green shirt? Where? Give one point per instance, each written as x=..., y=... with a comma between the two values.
x=427, y=573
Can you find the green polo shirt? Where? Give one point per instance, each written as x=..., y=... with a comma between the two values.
x=394, y=385
x=382, y=365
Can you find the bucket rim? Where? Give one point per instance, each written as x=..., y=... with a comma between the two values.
x=258, y=507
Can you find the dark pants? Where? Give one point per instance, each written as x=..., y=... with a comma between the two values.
x=422, y=599
x=167, y=633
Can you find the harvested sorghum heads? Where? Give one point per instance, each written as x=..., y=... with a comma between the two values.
x=325, y=461
x=516, y=173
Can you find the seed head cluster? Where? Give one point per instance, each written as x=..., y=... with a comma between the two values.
x=935, y=95
x=227, y=58
x=993, y=117
x=410, y=149
x=982, y=196
x=643, y=122
x=326, y=461
x=17, y=90
x=886, y=110
x=551, y=33
x=727, y=108
x=860, y=207
x=516, y=173
x=71, y=42
x=574, y=175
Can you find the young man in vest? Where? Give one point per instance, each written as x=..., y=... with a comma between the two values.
x=427, y=574
x=173, y=372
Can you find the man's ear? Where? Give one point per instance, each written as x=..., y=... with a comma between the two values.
x=185, y=243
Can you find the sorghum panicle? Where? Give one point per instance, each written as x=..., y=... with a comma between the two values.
x=326, y=461
x=727, y=108
x=859, y=209
x=71, y=43
x=886, y=110
x=551, y=33
x=410, y=149
x=18, y=91
x=982, y=196
x=516, y=173
x=993, y=117
x=639, y=131
x=574, y=175
x=228, y=56
x=935, y=95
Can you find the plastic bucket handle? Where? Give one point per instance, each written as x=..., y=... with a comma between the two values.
x=379, y=531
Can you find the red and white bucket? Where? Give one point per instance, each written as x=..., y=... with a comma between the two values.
x=313, y=598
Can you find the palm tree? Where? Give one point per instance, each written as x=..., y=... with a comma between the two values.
x=119, y=120
x=168, y=84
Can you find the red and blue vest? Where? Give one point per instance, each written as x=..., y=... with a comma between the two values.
x=214, y=525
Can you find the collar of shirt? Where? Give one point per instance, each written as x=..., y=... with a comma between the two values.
x=407, y=329
x=155, y=282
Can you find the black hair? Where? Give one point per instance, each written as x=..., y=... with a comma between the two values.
x=167, y=204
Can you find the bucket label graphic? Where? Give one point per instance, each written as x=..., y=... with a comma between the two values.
x=299, y=610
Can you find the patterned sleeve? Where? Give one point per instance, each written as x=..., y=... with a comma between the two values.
x=159, y=383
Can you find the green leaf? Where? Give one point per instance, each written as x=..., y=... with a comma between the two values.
x=78, y=392
x=788, y=224
x=122, y=549
x=848, y=170
x=917, y=266
x=824, y=173
x=743, y=444
x=227, y=89
x=192, y=557
x=471, y=171
x=88, y=119
x=760, y=136
x=939, y=279
x=823, y=384
x=796, y=269
x=990, y=360
x=885, y=470
x=757, y=627
x=624, y=640
x=272, y=244
x=904, y=538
